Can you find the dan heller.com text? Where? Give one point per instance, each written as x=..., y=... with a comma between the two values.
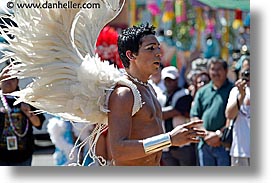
x=59, y=5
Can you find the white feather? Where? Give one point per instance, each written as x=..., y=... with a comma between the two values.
x=56, y=48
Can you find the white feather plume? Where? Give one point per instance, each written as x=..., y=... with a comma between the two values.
x=56, y=47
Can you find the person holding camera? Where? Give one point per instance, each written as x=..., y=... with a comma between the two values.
x=238, y=108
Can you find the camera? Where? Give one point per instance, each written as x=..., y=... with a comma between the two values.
x=246, y=75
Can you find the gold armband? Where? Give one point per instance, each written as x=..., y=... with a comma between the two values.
x=156, y=143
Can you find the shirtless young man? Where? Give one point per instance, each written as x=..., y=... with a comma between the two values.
x=130, y=140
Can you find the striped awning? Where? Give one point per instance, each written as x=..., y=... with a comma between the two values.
x=243, y=5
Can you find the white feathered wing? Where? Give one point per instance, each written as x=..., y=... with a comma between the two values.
x=56, y=47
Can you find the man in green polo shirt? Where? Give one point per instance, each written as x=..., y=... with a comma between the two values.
x=209, y=105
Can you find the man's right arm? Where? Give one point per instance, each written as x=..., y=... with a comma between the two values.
x=120, y=123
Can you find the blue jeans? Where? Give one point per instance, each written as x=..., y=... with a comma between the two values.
x=27, y=162
x=213, y=156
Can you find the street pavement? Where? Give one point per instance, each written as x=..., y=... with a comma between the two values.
x=43, y=154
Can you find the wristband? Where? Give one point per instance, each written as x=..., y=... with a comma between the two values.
x=156, y=143
x=219, y=133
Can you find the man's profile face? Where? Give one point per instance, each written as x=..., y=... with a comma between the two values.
x=149, y=55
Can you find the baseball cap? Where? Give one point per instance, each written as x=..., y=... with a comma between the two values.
x=170, y=72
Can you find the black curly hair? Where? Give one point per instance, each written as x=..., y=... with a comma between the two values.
x=130, y=39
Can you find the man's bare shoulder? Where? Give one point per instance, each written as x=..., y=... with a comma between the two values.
x=122, y=94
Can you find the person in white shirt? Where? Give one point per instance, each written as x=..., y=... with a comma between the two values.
x=238, y=108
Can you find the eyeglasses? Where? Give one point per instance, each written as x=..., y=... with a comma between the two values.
x=203, y=81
